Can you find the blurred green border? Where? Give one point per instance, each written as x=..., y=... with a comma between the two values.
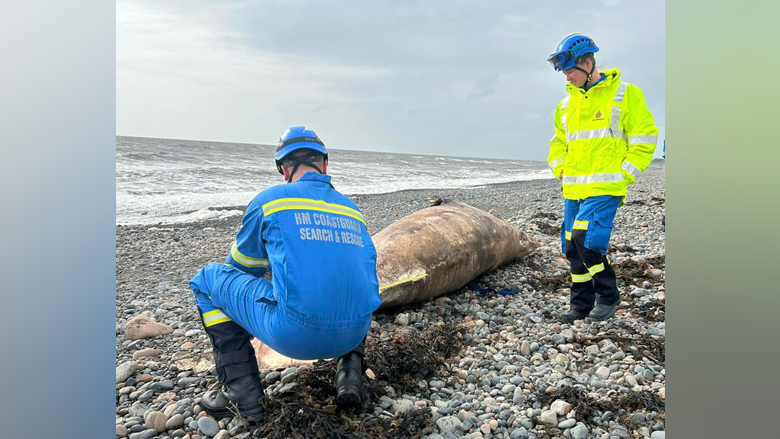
x=721, y=119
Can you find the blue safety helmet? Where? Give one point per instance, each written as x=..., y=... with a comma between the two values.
x=297, y=138
x=570, y=50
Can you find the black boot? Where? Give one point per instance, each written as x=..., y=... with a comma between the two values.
x=240, y=396
x=607, y=292
x=237, y=371
x=350, y=391
x=602, y=312
x=572, y=315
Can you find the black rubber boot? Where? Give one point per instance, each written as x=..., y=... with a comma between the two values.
x=238, y=372
x=602, y=312
x=607, y=292
x=350, y=391
x=605, y=284
x=241, y=396
x=571, y=315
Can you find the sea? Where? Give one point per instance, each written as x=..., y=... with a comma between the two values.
x=167, y=181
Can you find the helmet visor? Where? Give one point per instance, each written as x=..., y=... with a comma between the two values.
x=287, y=146
x=559, y=60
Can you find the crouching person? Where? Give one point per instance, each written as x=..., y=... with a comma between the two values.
x=323, y=290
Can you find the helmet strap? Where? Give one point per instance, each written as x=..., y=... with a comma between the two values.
x=590, y=75
x=298, y=164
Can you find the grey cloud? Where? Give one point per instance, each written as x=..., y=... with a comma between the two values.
x=403, y=72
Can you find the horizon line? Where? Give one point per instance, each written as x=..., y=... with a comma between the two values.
x=337, y=149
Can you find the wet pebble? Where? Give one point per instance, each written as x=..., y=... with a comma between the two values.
x=448, y=424
x=579, y=431
x=208, y=426
x=146, y=434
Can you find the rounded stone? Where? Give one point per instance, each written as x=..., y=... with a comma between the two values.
x=580, y=431
x=208, y=426
x=567, y=423
x=176, y=421
x=146, y=434
x=156, y=420
x=448, y=424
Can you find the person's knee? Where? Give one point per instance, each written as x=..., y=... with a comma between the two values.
x=360, y=349
x=203, y=281
x=577, y=241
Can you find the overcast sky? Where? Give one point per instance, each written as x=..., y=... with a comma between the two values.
x=451, y=77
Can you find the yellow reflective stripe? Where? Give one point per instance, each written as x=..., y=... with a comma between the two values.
x=321, y=209
x=246, y=261
x=309, y=200
x=216, y=322
x=309, y=204
x=214, y=317
x=568, y=236
x=596, y=268
x=580, y=225
x=579, y=278
x=403, y=281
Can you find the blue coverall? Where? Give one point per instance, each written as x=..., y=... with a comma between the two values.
x=324, y=288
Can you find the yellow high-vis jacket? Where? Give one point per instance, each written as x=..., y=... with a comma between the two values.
x=604, y=138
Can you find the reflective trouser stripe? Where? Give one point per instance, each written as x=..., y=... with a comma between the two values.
x=580, y=225
x=214, y=317
x=596, y=269
x=579, y=278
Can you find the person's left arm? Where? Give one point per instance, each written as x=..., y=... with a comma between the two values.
x=248, y=253
x=641, y=132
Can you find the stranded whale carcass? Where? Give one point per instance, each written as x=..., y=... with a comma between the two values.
x=440, y=249
x=429, y=253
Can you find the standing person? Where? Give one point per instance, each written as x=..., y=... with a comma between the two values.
x=604, y=139
x=324, y=288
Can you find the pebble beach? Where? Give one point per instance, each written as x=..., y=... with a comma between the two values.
x=518, y=374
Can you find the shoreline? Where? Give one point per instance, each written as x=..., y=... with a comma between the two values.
x=353, y=196
x=514, y=354
x=408, y=194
